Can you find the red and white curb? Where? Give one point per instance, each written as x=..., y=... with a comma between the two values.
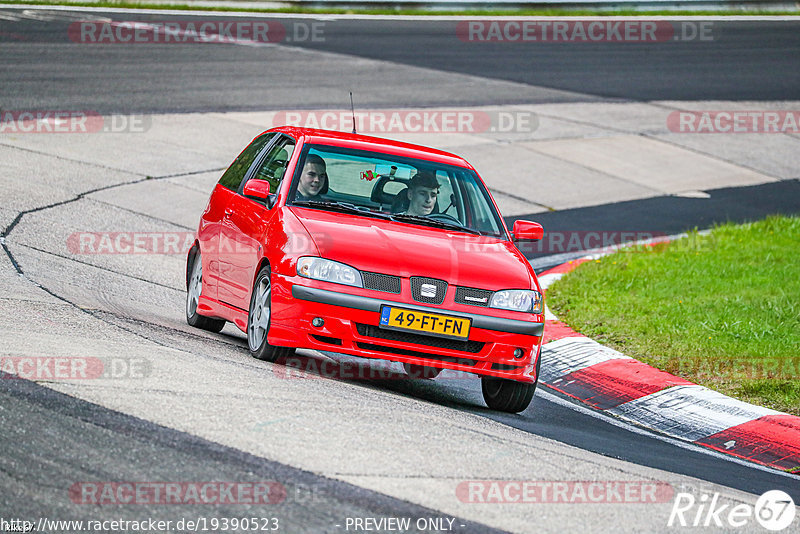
x=616, y=384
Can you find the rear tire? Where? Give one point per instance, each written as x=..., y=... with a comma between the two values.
x=258, y=320
x=506, y=395
x=421, y=371
x=194, y=288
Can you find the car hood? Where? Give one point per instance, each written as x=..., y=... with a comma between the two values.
x=402, y=249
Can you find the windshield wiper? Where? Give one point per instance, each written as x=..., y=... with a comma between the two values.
x=421, y=219
x=344, y=207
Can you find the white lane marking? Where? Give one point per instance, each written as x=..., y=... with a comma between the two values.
x=572, y=354
x=547, y=280
x=603, y=416
x=180, y=35
x=332, y=17
x=689, y=412
x=48, y=16
x=548, y=315
x=33, y=14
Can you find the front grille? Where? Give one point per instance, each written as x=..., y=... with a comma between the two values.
x=327, y=339
x=428, y=290
x=381, y=282
x=473, y=297
x=404, y=352
x=368, y=330
x=505, y=367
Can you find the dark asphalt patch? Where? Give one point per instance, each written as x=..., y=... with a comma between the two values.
x=51, y=442
x=660, y=216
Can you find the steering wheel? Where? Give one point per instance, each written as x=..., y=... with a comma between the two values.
x=445, y=217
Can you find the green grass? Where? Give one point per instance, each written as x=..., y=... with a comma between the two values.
x=127, y=4
x=722, y=310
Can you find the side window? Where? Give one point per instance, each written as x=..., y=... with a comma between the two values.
x=446, y=194
x=235, y=174
x=274, y=165
x=483, y=219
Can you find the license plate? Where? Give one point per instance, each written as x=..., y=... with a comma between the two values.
x=426, y=323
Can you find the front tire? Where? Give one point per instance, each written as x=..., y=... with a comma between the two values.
x=194, y=288
x=506, y=395
x=258, y=319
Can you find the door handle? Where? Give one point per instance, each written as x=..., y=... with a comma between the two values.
x=228, y=212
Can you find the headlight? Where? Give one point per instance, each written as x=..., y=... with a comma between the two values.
x=329, y=271
x=518, y=300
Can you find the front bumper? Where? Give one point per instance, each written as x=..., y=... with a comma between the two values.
x=351, y=327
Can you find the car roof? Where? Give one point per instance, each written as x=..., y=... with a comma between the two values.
x=366, y=142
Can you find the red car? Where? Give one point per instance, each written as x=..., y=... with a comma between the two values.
x=375, y=248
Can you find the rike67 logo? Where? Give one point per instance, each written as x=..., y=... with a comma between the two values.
x=774, y=511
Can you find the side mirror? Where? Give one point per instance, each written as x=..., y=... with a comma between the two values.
x=257, y=190
x=527, y=230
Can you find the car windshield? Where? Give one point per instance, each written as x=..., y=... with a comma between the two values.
x=407, y=190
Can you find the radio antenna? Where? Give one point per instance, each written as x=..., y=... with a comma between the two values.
x=353, y=110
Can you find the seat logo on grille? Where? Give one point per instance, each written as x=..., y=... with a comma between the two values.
x=428, y=291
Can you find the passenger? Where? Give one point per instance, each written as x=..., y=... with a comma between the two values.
x=313, y=180
x=423, y=191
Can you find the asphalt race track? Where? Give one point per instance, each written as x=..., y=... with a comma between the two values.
x=735, y=60
x=336, y=447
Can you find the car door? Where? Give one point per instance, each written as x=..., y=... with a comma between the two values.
x=245, y=224
x=208, y=233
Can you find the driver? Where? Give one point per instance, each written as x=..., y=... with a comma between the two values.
x=423, y=191
x=313, y=179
